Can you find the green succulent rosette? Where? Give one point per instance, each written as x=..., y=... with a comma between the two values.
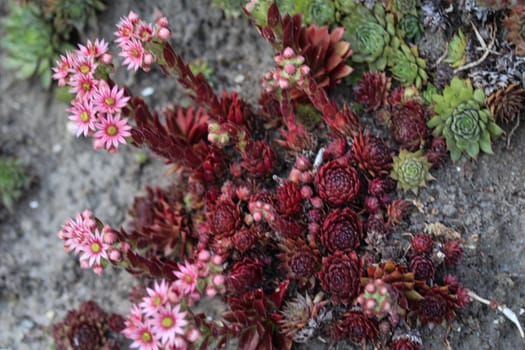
x=320, y=12
x=411, y=170
x=410, y=28
x=406, y=65
x=369, y=34
x=403, y=7
x=462, y=119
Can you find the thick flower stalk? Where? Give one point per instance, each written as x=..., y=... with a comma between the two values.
x=411, y=170
x=461, y=118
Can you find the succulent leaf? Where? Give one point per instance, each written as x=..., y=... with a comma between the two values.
x=456, y=50
x=410, y=27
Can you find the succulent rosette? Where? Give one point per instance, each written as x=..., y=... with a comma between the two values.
x=411, y=170
x=299, y=261
x=340, y=276
x=369, y=33
x=372, y=91
x=422, y=267
x=410, y=27
x=315, y=11
x=337, y=182
x=372, y=154
x=406, y=65
x=357, y=327
x=341, y=230
x=462, y=120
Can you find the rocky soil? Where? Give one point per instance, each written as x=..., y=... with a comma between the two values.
x=483, y=200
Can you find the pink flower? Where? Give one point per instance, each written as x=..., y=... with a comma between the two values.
x=108, y=100
x=84, y=65
x=93, y=50
x=111, y=130
x=64, y=67
x=94, y=249
x=133, y=52
x=83, y=114
x=187, y=277
x=157, y=297
x=74, y=232
x=144, y=31
x=142, y=336
x=125, y=30
x=167, y=323
x=84, y=85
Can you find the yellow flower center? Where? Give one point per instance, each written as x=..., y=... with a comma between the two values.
x=84, y=69
x=188, y=279
x=167, y=322
x=109, y=101
x=135, y=53
x=86, y=86
x=95, y=247
x=146, y=336
x=111, y=130
x=84, y=116
x=157, y=300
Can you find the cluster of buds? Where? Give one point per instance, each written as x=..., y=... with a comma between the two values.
x=291, y=72
x=136, y=39
x=95, y=243
x=161, y=319
x=377, y=301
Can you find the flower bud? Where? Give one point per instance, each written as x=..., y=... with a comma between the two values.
x=306, y=192
x=288, y=53
x=164, y=33
x=204, y=255
x=133, y=17
x=114, y=255
x=216, y=260
x=211, y=291
x=218, y=280
x=192, y=335
x=162, y=22
x=148, y=59
x=107, y=58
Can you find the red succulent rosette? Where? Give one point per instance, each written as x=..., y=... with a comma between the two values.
x=340, y=276
x=337, y=182
x=436, y=306
x=406, y=342
x=372, y=154
x=341, y=230
x=289, y=200
x=258, y=158
x=244, y=239
x=437, y=154
x=422, y=243
x=408, y=126
x=245, y=275
x=372, y=91
x=453, y=252
x=356, y=327
x=225, y=217
x=422, y=267
x=299, y=261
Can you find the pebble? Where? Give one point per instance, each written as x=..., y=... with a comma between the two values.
x=57, y=148
x=33, y=204
x=147, y=91
x=239, y=78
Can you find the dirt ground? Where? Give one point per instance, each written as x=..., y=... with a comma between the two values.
x=483, y=200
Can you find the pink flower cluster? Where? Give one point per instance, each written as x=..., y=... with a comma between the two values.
x=160, y=320
x=291, y=71
x=82, y=236
x=97, y=105
x=133, y=37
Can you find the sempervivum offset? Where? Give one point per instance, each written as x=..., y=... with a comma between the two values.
x=408, y=125
x=372, y=154
x=357, y=327
x=372, y=91
x=340, y=276
x=338, y=182
x=462, y=119
x=411, y=170
x=341, y=230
